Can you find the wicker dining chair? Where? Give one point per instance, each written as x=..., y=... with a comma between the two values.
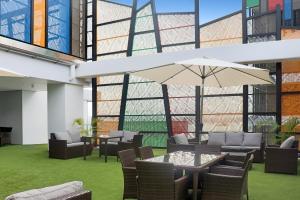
x=248, y=160
x=127, y=158
x=157, y=181
x=145, y=153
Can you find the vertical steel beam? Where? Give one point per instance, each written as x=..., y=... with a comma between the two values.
x=156, y=27
x=132, y=28
x=94, y=47
x=244, y=22
x=94, y=97
x=198, y=113
x=278, y=92
x=278, y=22
x=245, y=107
x=197, y=24
x=123, y=102
x=167, y=110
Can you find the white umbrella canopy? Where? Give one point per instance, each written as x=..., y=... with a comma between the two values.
x=215, y=73
x=206, y=72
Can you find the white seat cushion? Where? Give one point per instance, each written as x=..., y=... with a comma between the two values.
x=116, y=134
x=217, y=139
x=288, y=143
x=63, y=136
x=49, y=193
x=76, y=144
x=128, y=135
x=234, y=139
x=74, y=133
x=252, y=139
x=181, y=139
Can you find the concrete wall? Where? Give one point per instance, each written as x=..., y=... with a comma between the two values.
x=35, y=118
x=11, y=113
x=65, y=103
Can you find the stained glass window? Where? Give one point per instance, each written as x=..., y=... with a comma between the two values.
x=59, y=25
x=252, y=3
x=16, y=19
x=273, y=4
x=39, y=19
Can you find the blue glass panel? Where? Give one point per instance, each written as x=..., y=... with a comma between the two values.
x=59, y=25
x=287, y=9
x=15, y=19
x=287, y=13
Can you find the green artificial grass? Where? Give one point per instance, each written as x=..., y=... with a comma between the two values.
x=27, y=167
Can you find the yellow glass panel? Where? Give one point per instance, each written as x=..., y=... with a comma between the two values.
x=39, y=22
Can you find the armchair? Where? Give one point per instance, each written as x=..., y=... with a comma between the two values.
x=282, y=160
x=135, y=144
x=172, y=146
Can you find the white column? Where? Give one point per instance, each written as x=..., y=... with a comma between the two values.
x=65, y=103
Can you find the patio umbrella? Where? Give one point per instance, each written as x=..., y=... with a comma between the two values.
x=206, y=72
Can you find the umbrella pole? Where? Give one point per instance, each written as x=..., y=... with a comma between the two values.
x=201, y=105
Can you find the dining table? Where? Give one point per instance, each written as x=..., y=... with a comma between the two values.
x=192, y=162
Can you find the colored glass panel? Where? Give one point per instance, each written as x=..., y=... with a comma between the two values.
x=15, y=19
x=252, y=3
x=273, y=4
x=59, y=25
x=296, y=4
x=39, y=20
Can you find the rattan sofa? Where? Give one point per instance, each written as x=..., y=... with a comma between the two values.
x=62, y=149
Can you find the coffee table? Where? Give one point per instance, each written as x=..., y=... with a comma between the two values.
x=190, y=161
x=103, y=140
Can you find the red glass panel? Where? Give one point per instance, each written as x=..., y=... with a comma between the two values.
x=274, y=3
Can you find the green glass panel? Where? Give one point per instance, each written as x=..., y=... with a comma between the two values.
x=155, y=140
x=252, y=3
x=155, y=126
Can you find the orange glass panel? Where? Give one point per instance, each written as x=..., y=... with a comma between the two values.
x=290, y=87
x=290, y=34
x=39, y=22
x=290, y=105
x=291, y=66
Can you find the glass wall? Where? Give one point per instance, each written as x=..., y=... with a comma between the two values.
x=55, y=24
x=15, y=19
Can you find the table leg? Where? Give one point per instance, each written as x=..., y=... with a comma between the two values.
x=195, y=185
x=100, y=142
x=84, y=150
x=105, y=153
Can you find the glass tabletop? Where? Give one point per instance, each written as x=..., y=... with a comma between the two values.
x=188, y=159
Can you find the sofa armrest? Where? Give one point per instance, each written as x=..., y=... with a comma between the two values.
x=57, y=149
x=85, y=195
x=273, y=152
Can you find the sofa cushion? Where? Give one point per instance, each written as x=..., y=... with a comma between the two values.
x=216, y=139
x=49, y=193
x=181, y=139
x=252, y=139
x=63, y=136
x=75, y=144
x=74, y=133
x=234, y=139
x=128, y=135
x=288, y=143
x=116, y=134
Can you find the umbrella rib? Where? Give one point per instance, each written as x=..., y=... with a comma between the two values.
x=200, y=70
x=188, y=68
x=175, y=74
x=251, y=75
x=215, y=77
x=211, y=71
x=217, y=72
